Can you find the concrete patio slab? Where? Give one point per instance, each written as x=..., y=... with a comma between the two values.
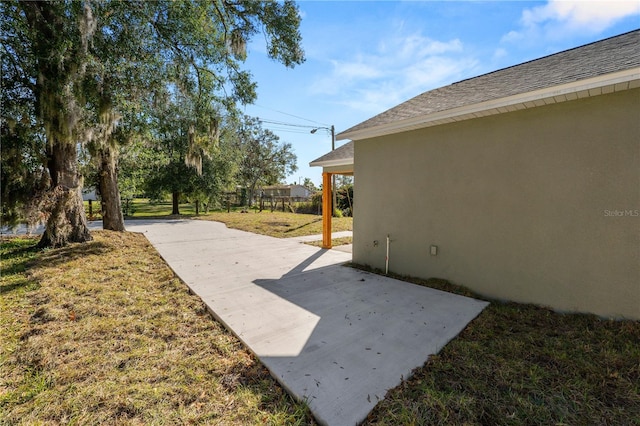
x=334, y=336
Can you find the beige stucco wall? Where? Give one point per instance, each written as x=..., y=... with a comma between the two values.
x=539, y=205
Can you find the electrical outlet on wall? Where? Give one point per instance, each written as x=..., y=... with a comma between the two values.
x=434, y=250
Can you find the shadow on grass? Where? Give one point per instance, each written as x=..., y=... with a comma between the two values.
x=74, y=252
x=22, y=283
x=12, y=250
x=303, y=225
x=17, y=253
x=18, y=257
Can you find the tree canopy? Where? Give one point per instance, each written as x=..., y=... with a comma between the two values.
x=263, y=160
x=93, y=75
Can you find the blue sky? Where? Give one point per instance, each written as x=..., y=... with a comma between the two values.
x=364, y=57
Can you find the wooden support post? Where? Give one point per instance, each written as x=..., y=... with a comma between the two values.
x=326, y=210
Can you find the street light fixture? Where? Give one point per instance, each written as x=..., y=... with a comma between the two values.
x=333, y=134
x=333, y=177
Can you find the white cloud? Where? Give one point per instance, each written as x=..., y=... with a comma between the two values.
x=399, y=68
x=358, y=69
x=593, y=15
x=433, y=71
x=418, y=46
x=500, y=53
x=561, y=17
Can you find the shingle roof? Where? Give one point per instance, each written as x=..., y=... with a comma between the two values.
x=338, y=157
x=603, y=57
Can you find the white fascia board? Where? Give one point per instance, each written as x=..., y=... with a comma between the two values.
x=331, y=163
x=621, y=80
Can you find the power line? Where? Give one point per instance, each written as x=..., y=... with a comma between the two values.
x=282, y=123
x=288, y=130
x=281, y=126
x=291, y=115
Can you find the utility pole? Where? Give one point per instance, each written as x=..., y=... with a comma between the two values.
x=333, y=176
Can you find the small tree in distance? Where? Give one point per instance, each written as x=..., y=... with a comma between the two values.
x=308, y=183
x=263, y=161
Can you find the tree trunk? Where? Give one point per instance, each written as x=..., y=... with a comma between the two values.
x=175, y=197
x=67, y=222
x=250, y=200
x=252, y=190
x=112, y=218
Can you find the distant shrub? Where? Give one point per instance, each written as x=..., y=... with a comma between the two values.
x=316, y=200
x=306, y=207
x=128, y=209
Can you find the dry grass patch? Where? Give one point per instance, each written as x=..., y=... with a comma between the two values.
x=341, y=241
x=105, y=333
x=278, y=224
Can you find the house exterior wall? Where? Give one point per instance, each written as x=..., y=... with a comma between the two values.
x=277, y=192
x=294, y=191
x=537, y=206
x=299, y=191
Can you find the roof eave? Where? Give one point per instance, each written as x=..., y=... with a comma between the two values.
x=332, y=163
x=608, y=83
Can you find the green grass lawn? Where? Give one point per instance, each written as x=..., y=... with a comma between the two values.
x=144, y=209
x=522, y=365
x=104, y=332
x=519, y=364
x=276, y=224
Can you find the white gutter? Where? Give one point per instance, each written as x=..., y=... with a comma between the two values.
x=331, y=163
x=608, y=83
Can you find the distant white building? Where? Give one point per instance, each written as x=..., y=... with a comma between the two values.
x=89, y=194
x=291, y=191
